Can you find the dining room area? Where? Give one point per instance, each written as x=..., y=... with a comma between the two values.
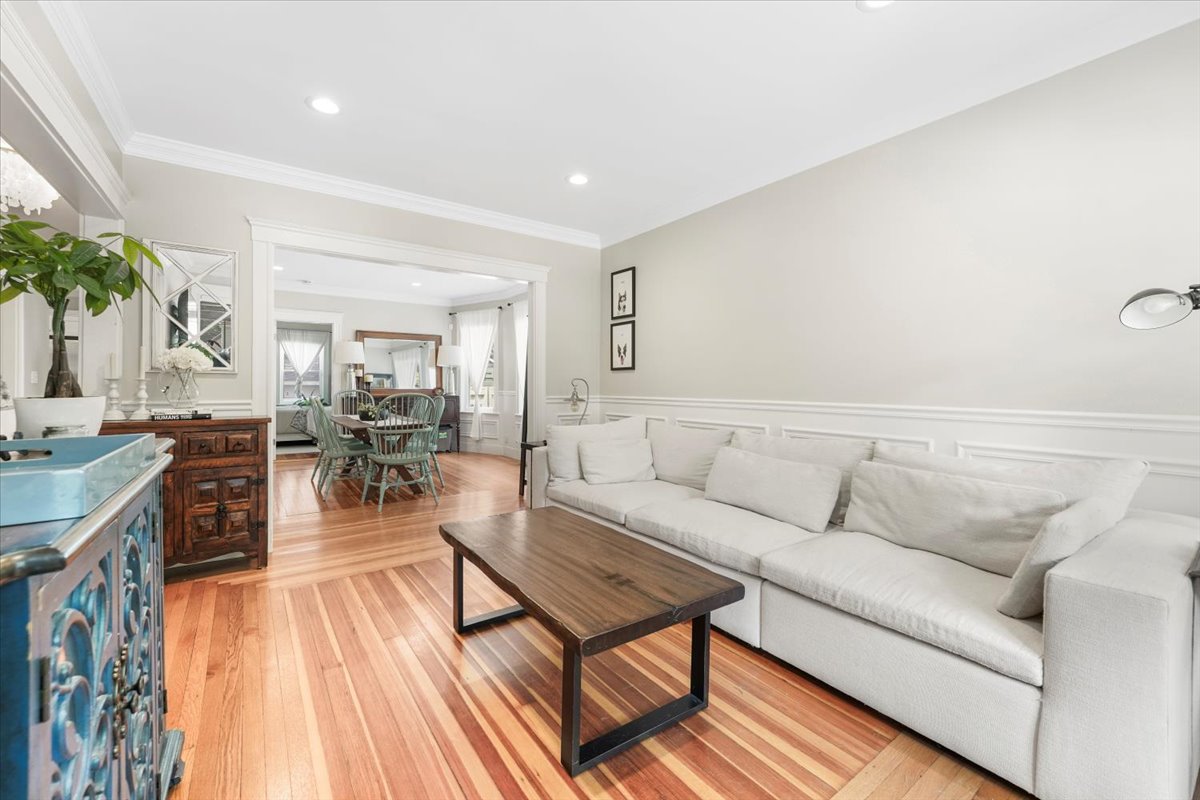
x=394, y=387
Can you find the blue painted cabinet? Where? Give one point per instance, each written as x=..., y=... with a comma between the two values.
x=83, y=694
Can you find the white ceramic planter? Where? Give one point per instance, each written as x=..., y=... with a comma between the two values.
x=38, y=417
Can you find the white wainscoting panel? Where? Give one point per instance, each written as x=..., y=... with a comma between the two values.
x=915, y=442
x=1169, y=442
x=613, y=417
x=716, y=425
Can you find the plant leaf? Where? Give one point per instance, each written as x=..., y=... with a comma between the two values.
x=84, y=252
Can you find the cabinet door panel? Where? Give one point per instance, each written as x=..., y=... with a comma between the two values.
x=221, y=508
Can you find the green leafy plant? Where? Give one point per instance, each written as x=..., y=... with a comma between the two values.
x=54, y=266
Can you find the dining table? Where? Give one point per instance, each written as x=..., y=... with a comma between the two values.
x=361, y=428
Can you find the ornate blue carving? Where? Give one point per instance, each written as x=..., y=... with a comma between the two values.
x=139, y=609
x=81, y=689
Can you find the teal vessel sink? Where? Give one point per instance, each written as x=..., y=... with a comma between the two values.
x=67, y=478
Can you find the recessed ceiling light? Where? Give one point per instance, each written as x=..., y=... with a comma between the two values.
x=872, y=5
x=577, y=179
x=416, y=283
x=277, y=268
x=323, y=104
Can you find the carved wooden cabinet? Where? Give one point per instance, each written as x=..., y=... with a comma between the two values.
x=83, y=697
x=215, y=492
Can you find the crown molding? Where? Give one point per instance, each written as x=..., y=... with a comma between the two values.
x=172, y=151
x=67, y=20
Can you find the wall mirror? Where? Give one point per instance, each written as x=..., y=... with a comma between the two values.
x=197, y=293
x=401, y=360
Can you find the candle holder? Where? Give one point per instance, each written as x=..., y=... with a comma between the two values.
x=114, y=412
x=142, y=397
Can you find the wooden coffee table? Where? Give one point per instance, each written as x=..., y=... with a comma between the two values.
x=593, y=589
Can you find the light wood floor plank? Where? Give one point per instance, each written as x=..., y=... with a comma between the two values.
x=334, y=673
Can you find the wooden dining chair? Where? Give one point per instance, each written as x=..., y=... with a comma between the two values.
x=350, y=401
x=439, y=406
x=341, y=457
x=401, y=439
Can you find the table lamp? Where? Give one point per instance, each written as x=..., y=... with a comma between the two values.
x=349, y=353
x=450, y=356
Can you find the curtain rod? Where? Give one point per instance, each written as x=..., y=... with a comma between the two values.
x=455, y=313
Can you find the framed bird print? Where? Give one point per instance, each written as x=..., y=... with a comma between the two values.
x=623, y=293
x=620, y=345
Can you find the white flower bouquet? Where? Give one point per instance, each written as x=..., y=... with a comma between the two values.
x=182, y=363
x=185, y=358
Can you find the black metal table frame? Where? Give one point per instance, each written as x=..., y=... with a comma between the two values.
x=576, y=756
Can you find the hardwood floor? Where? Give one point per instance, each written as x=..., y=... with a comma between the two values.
x=334, y=673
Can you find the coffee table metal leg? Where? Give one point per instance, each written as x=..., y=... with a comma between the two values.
x=578, y=757
x=490, y=618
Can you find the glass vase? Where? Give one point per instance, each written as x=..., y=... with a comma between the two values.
x=181, y=390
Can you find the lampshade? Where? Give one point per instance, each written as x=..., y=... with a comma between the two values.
x=349, y=353
x=1158, y=308
x=450, y=355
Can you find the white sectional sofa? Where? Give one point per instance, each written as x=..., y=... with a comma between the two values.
x=1097, y=697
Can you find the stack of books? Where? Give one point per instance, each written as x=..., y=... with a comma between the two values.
x=160, y=414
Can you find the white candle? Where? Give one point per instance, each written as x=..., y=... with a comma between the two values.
x=143, y=365
x=112, y=365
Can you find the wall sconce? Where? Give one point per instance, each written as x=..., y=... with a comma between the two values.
x=587, y=397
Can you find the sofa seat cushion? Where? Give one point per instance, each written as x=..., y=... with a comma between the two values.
x=727, y=535
x=613, y=501
x=929, y=597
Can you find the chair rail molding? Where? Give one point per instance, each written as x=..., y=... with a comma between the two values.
x=1015, y=436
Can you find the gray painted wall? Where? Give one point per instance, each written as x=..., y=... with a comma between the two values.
x=979, y=261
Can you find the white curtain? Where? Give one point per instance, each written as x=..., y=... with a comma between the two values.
x=302, y=348
x=406, y=364
x=476, y=335
x=521, y=325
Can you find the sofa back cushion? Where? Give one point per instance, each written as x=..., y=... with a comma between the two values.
x=562, y=444
x=844, y=454
x=985, y=524
x=789, y=491
x=616, y=461
x=1115, y=479
x=1060, y=537
x=684, y=455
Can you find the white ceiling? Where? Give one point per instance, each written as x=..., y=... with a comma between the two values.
x=670, y=107
x=317, y=273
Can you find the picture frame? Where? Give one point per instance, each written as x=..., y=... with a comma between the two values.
x=623, y=293
x=621, y=346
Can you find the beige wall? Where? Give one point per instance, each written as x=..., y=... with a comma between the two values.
x=979, y=261
x=204, y=208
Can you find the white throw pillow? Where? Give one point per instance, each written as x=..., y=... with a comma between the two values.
x=790, y=491
x=684, y=455
x=1060, y=538
x=1114, y=479
x=841, y=453
x=985, y=524
x=562, y=443
x=619, y=461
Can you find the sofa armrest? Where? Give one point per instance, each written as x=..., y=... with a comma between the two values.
x=539, y=476
x=1119, y=706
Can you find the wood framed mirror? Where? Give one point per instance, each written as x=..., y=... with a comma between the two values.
x=399, y=362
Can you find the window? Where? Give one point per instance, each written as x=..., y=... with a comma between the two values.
x=304, y=361
x=486, y=396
